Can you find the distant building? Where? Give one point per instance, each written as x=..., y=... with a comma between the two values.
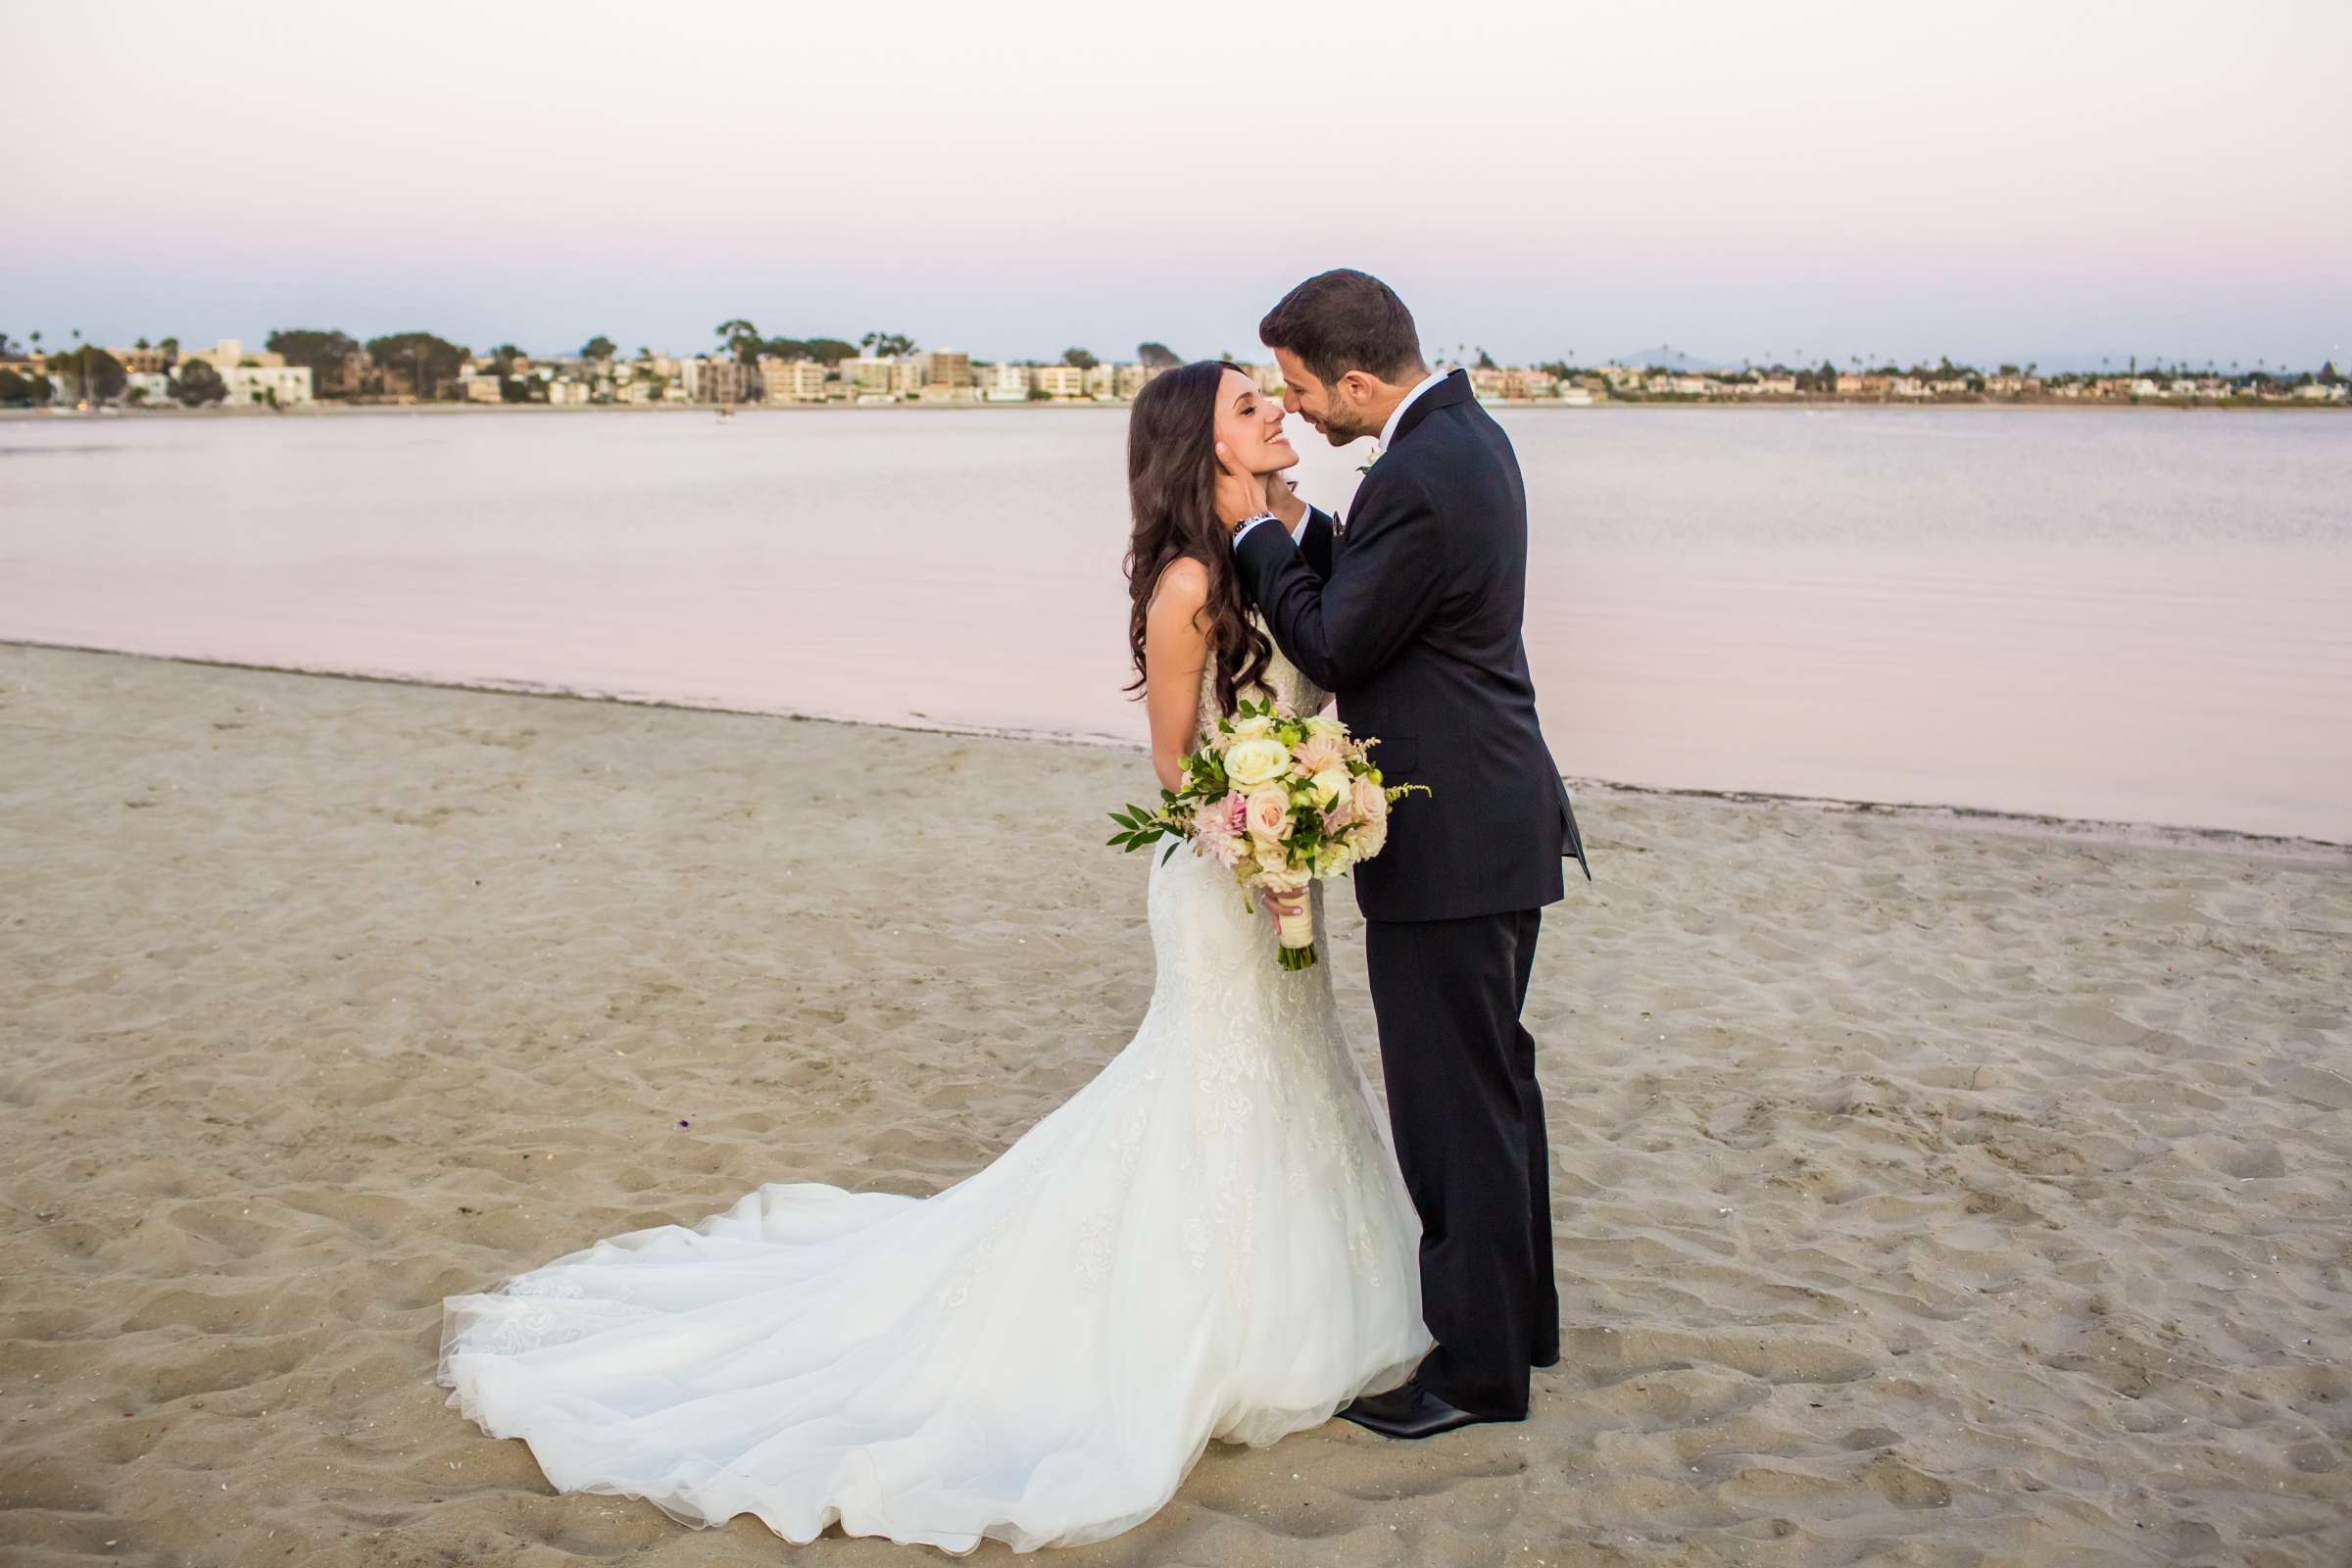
x=945, y=367
x=346, y=375
x=281, y=383
x=137, y=359
x=152, y=386
x=867, y=373
x=1133, y=378
x=1006, y=382
x=566, y=393
x=642, y=381
x=229, y=353
x=714, y=379
x=1059, y=380
x=792, y=381
x=1102, y=384
x=479, y=386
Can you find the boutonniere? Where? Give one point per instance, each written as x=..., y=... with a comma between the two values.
x=1366, y=465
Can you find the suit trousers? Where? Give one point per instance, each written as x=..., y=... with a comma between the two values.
x=1468, y=1119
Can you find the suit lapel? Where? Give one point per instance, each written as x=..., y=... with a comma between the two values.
x=1452, y=389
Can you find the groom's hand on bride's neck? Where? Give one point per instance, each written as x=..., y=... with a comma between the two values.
x=1240, y=494
x=1281, y=500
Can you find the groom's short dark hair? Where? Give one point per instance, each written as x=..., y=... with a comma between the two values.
x=1343, y=321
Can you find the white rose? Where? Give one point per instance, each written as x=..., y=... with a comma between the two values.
x=1320, y=725
x=1253, y=726
x=1334, y=857
x=1260, y=760
x=1332, y=785
x=1371, y=799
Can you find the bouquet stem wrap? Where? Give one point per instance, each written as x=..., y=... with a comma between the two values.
x=1295, y=933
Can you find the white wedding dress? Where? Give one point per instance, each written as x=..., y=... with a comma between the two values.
x=1209, y=1240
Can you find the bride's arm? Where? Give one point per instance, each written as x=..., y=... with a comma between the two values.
x=1175, y=653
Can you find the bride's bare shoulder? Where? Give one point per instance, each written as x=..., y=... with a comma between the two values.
x=1181, y=590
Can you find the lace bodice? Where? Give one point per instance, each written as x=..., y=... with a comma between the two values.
x=1284, y=681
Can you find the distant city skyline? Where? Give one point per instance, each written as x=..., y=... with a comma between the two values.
x=1819, y=178
x=1657, y=356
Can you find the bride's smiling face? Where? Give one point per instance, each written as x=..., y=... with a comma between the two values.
x=1249, y=424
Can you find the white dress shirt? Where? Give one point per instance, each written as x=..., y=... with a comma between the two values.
x=1388, y=434
x=1388, y=431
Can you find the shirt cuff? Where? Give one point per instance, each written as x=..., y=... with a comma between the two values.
x=1243, y=532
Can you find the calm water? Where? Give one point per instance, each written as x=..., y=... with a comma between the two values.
x=2121, y=615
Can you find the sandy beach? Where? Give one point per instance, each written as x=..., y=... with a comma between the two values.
x=1926, y=1192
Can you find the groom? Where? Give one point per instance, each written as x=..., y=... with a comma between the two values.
x=1410, y=612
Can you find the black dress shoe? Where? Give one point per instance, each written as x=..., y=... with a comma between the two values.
x=1412, y=1411
x=1550, y=1361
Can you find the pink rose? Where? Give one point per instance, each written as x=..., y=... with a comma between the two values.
x=1337, y=817
x=1319, y=752
x=1371, y=837
x=1269, y=814
x=1236, y=807
x=1370, y=800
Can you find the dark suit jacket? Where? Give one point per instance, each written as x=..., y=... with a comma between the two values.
x=1412, y=615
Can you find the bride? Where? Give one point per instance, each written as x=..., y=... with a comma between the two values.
x=1209, y=1240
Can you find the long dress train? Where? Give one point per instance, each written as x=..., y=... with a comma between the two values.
x=1210, y=1240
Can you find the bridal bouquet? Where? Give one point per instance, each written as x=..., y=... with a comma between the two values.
x=1279, y=800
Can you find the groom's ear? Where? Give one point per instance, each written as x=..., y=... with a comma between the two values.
x=1361, y=386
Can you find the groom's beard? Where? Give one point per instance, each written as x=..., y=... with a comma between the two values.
x=1343, y=426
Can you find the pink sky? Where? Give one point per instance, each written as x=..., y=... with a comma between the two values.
x=1995, y=180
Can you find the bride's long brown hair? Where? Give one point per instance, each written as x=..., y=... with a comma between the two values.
x=1171, y=488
